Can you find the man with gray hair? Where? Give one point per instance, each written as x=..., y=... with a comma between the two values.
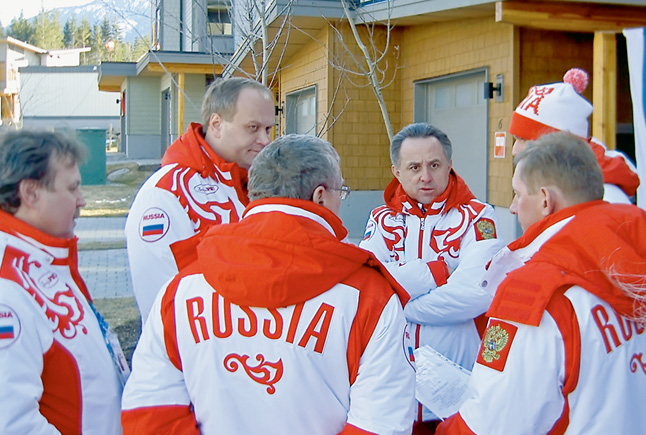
x=563, y=352
x=61, y=368
x=434, y=236
x=202, y=183
x=280, y=327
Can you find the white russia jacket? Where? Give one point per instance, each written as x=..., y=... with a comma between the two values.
x=438, y=257
x=56, y=371
x=194, y=190
x=560, y=354
x=278, y=328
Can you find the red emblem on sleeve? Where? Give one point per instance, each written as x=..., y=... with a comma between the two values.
x=496, y=344
x=485, y=229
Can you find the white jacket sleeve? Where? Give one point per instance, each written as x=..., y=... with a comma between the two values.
x=155, y=221
x=382, y=396
x=414, y=276
x=461, y=298
x=525, y=397
x=21, y=366
x=154, y=381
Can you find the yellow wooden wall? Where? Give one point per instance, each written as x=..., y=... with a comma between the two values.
x=545, y=56
x=344, y=99
x=524, y=56
x=438, y=49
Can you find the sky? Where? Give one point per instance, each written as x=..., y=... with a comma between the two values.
x=11, y=8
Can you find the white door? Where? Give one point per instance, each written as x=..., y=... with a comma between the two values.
x=456, y=105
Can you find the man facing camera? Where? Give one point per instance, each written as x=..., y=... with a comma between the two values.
x=434, y=237
x=562, y=352
x=279, y=327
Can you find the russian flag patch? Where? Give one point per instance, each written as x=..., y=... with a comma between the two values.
x=9, y=326
x=153, y=225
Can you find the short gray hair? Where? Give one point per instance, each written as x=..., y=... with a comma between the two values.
x=28, y=155
x=293, y=166
x=222, y=95
x=563, y=160
x=418, y=130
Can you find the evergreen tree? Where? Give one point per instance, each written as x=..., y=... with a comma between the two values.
x=48, y=33
x=21, y=29
x=84, y=33
x=97, y=44
x=142, y=45
x=70, y=33
x=106, y=29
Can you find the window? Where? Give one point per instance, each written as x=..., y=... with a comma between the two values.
x=301, y=112
x=219, y=18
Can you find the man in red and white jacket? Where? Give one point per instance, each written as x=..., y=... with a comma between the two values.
x=61, y=368
x=434, y=236
x=560, y=107
x=279, y=327
x=202, y=183
x=562, y=352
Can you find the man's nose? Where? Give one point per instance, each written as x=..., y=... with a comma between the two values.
x=426, y=174
x=264, y=137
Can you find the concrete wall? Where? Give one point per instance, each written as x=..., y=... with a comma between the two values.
x=65, y=94
x=143, y=122
x=104, y=123
x=194, y=88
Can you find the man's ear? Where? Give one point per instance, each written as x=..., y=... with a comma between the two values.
x=395, y=171
x=215, y=121
x=29, y=192
x=550, y=201
x=318, y=196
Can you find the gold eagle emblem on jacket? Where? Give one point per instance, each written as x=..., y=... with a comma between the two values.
x=495, y=340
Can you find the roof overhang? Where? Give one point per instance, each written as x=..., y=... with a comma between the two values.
x=112, y=74
x=23, y=45
x=416, y=12
x=157, y=63
x=309, y=18
x=572, y=16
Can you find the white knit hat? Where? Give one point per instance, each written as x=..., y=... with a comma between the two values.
x=554, y=107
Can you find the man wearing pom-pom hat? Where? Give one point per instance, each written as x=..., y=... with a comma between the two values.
x=560, y=107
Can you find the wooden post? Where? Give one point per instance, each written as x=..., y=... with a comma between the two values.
x=604, y=89
x=180, y=103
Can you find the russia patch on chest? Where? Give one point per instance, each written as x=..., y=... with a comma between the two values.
x=496, y=344
x=485, y=229
x=9, y=326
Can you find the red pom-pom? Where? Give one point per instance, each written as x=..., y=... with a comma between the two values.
x=577, y=78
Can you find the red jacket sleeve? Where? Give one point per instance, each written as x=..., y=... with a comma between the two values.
x=178, y=420
x=615, y=170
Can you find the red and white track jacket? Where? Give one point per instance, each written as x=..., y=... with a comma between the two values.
x=438, y=257
x=560, y=354
x=278, y=328
x=56, y=372
x=619, y=174
x=194, y=190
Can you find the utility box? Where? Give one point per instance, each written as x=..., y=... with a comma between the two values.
x=94, y=169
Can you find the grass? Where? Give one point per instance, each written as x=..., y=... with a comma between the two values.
x=115, y=197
